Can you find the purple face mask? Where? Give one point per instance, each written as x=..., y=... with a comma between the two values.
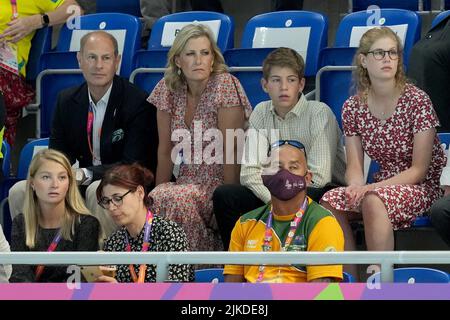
x=284, y=185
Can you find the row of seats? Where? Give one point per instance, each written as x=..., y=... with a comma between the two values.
x=304, y=31
x=133, y=6
x=30, y=149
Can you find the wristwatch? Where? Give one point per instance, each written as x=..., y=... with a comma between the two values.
x=45, y=20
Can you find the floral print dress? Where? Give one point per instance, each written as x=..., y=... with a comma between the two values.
x=188, y=201
x=390, y=143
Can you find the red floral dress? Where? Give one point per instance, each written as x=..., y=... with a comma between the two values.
x=390, y=143
x=188, y=201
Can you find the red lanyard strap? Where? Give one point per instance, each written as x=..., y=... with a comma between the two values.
x=15, y=13
x=51, y=248
x=145, y=246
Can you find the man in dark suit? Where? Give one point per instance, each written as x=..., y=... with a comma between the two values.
x=103, y=122
x=429, y=68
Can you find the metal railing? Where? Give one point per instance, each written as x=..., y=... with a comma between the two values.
x=35, y=107
x=327, y=69
x=386, y=259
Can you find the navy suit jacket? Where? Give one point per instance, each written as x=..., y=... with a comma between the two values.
x=128, y=112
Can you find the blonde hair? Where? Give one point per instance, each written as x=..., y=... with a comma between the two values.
x=361, y=78
x=74, y=203
x=173, y=80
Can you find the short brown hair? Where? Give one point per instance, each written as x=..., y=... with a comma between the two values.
x=284, y=58
x=128, y=176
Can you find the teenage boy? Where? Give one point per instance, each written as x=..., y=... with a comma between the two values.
x=288, y=116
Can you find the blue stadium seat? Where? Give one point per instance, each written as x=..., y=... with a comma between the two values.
x=404, y=22
x=334, y=78
x=165, y=28
x=126, y=29
x=441, y=16
x=40, y=44
x=413, y=5
x=53, y=81
x=132, y=7
x=26, y=154
x=214, y=275
x=420, y=275
x=144, y=59
x=250, y=80
x=304, y=31
x=347, y=278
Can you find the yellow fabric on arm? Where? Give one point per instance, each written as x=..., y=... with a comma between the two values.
x=2, y=132
x=25, y=8
x=327, y=236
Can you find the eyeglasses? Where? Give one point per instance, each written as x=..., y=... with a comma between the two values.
x=379, y=54
x=115, y=199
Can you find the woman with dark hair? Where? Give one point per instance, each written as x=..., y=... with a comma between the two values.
x=123, y=192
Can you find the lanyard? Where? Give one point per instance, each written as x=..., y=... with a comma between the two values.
x=51, y=248
x=15, y=13
x=89, y=126
x=145, y=246
x=268, y=234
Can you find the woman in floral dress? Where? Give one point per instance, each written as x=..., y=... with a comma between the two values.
x=197, y=101
x=394, y=123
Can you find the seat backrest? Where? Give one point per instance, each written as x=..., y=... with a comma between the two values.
x=334, y=86
x=132, y=7
x=40, y=44
x=250, y=80
x=444, y=138
x=149, y=59
x=347, y=278
x=53, y=83
x=214, y=275
x=406, y=24
x=167, y=27
x=6, y=151
x=304, y=31
x=27, y=154
x=441, y=16
x=125, y=28
x=412, y=5
x=420, y=275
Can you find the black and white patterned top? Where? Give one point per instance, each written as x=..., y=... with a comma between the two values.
x=165, y=236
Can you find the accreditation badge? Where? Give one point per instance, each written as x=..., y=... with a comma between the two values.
x=8, y=57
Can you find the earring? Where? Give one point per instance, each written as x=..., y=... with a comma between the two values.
x=179, y=71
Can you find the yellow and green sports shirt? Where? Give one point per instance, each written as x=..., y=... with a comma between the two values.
x=319, y=229
x=25, y=8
